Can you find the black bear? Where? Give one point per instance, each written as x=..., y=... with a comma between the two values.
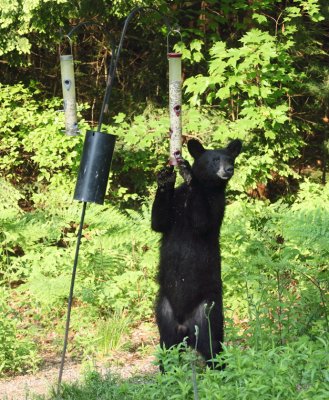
x=189, y=218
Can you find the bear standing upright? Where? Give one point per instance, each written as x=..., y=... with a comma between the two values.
x=189, y=218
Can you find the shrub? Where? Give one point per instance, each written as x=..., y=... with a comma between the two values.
x=17, y=353
x=298, y=371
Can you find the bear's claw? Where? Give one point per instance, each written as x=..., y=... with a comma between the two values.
x=166, y=178
x=185, y=169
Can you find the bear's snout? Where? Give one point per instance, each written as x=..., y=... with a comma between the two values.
x=229, y=170
x=225, y=172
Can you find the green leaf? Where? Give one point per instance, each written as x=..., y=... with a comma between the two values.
x=223, y=93
x=260, y=18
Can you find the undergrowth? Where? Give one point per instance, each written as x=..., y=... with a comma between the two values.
x=296, y=371
x=274, y=272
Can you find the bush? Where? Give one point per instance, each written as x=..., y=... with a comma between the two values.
x=274, y=270
x=298, y=371
x=17, y=353
x=33, y=146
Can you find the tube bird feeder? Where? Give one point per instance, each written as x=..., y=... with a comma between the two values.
x=175, y=106
x=175, y=102
x=68, y=87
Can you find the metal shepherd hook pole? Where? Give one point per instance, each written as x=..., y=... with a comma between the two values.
x=69, y=306
x=95, y=166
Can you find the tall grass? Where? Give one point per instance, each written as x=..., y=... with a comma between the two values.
x=112, y=332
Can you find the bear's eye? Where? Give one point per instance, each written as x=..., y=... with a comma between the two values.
x=214, y=162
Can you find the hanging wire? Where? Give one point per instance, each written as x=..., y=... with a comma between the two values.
x=175, y=30
x=70, y=42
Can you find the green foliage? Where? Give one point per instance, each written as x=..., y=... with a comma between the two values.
x=142, y=147
x=191, y=53
x=17, y=353
x=298, y=371
x=33, y=147
x=256, y=81
x=40, y=20
x=256, y=73
x=274, y=257
x=114, y=264
x=251, y=85
x=38, y=156
x=9, y=198
x=116, y=267
x=274, y=271
x=275, y=277
x=112, y=332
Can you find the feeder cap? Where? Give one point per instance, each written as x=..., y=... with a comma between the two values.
x=66, y=57
x=174, y=55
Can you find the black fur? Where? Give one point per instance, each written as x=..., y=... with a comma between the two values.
x=189, y=218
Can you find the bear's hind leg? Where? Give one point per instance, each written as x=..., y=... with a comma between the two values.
x=208, y=346
x=171, y=332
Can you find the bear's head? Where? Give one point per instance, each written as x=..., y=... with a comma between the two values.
x=213, y=168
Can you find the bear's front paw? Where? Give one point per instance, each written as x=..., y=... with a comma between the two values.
x=184, y=169
x=166, y=178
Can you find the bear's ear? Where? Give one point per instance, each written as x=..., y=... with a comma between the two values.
x=235, y=147
x=195, y=148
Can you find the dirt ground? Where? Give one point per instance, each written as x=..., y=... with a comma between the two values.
x=24, y=386
x=122, y=363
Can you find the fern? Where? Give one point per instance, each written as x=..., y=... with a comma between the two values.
x=9, y=197
x=274, y=265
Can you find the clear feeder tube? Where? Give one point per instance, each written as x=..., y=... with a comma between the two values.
x=175, y=106
x=68, y=87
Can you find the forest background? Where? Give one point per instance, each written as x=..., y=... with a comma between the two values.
x=255, y=70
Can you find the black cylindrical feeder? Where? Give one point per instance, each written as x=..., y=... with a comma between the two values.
x=95, y=167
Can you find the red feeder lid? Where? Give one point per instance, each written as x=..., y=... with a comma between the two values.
x=174, y=55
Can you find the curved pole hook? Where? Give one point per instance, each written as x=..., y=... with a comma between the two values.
x=173, y=31
x=88, y=23
x=113, y=67
x=116, y=53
